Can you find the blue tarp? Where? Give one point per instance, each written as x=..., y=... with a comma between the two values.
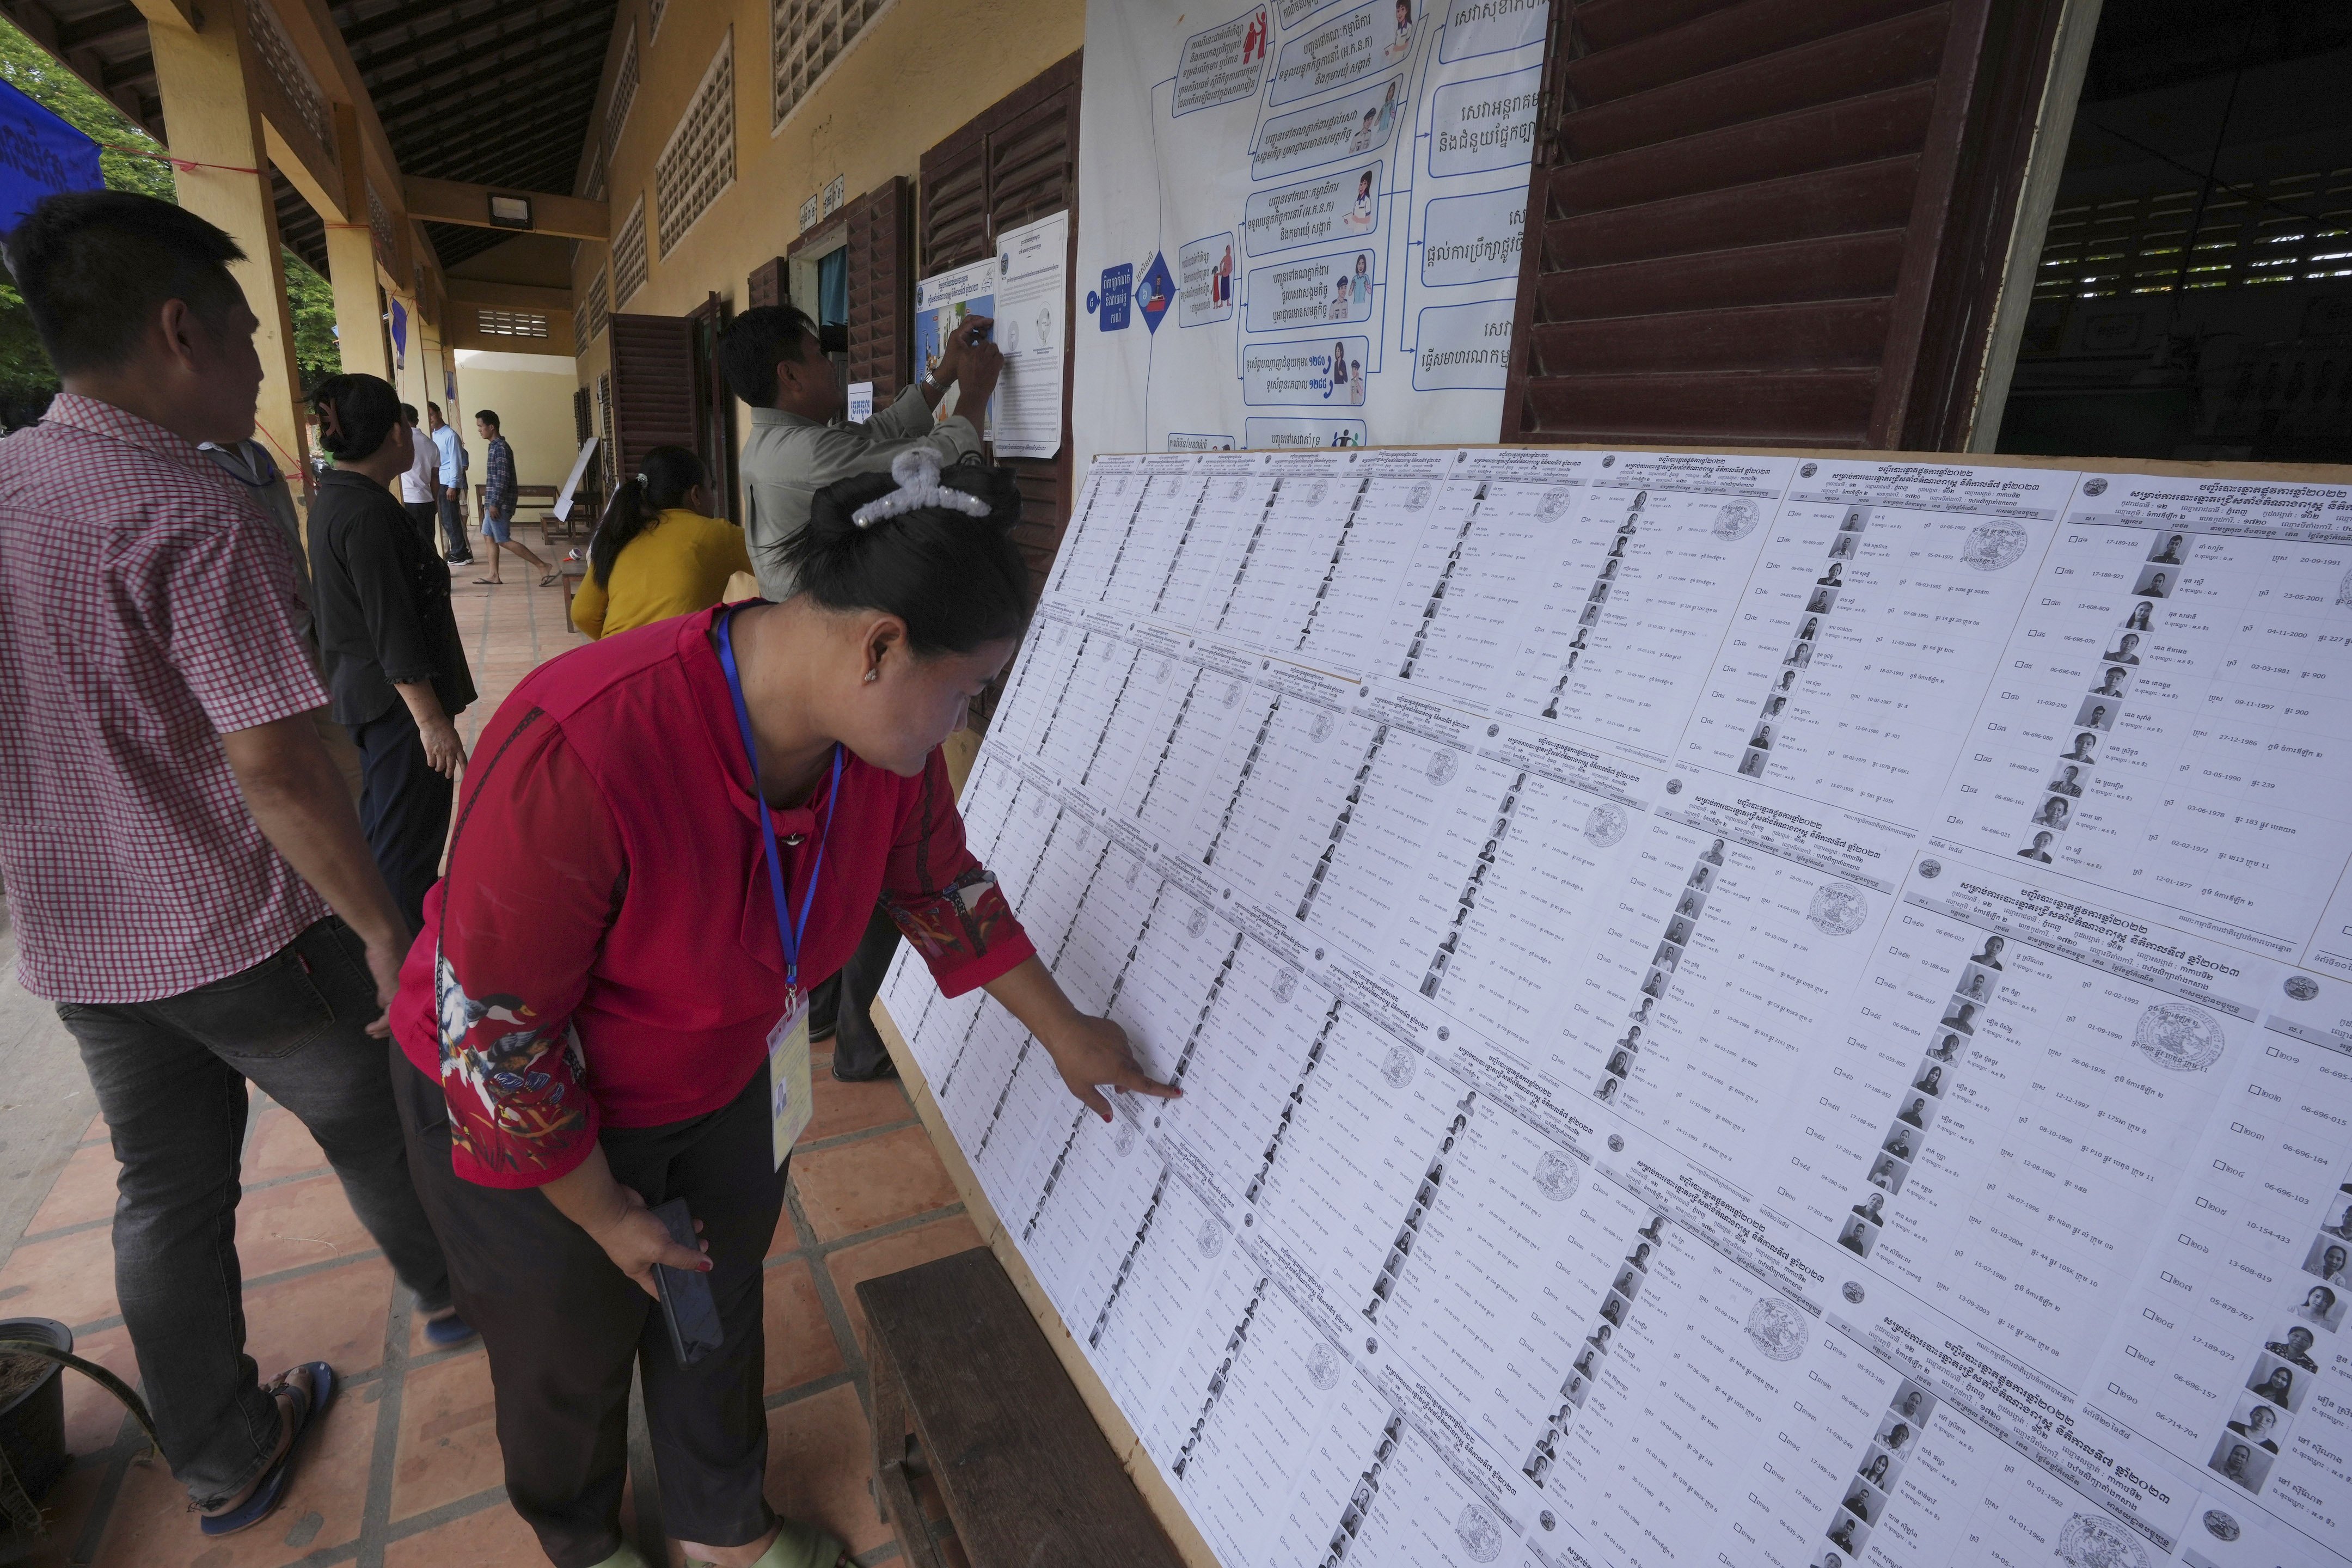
x=40, y=155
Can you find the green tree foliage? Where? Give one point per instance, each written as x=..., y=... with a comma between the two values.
x=131, y=161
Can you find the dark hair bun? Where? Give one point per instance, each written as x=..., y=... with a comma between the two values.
x=953, y=574
x=356, y=413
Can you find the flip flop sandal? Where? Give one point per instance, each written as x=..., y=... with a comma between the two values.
x=796, y=1546
x=488, y=583
x=272, y=1489
x=550, y=580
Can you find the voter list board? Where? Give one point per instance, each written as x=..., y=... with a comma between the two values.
x=1732, y=1009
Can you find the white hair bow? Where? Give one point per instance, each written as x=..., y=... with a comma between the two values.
x=917, y=470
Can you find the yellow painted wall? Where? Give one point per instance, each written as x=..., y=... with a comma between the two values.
x=534, y=409
x=920, y=71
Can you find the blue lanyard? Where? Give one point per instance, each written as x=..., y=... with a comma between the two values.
x=790, y=929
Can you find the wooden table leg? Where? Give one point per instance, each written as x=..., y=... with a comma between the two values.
x=894, y=1490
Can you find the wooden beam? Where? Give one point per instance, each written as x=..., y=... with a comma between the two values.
x=454, y=201
x=508, y=296
x=182, y=13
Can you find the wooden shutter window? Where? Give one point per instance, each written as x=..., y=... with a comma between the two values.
x=653, y=387
x=881, y=339
x=766, y=285
x=1013, y=165
x=1764, y=222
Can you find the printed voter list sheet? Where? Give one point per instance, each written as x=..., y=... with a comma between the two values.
x=1732, y=1009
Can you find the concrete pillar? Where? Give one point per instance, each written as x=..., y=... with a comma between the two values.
x=201, y=78
x=360, y=329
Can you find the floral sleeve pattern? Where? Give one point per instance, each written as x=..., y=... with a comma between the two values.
x=947, y=904
x=535, y=875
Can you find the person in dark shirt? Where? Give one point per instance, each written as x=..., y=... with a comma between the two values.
x=395, y=668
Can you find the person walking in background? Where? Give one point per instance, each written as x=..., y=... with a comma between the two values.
x=190, y=883
x=449, y=482
x=394, y=661
x=418, y=479
x=498, y=503
x=656, y=554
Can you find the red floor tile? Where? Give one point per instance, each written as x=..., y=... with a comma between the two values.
x=84, y=1191
x=801, y=1347
x=302, y=1222
x=819, y=1457
x=448, y=1436
x=71, y=1279
x=852, y=1107
x=871, y=1182
x=494, y=1538
x=281, y=1146
x=872, y=1259
x=336, y=1316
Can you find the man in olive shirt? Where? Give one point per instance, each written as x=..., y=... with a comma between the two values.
x=799, y=444
x=774, y=360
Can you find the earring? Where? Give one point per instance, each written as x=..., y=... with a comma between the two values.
x=871, y=675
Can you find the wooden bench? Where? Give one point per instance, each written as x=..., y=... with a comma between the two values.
x=1029, y=1480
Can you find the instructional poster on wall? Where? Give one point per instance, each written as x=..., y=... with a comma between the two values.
x=1033, y=270
x=1752, y=1010
x=941, y=304
x=1302, y=221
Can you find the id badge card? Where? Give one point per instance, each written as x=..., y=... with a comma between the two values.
x=790, y=1098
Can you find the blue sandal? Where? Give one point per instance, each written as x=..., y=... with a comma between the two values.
x=443, y=1332
x=272, y=1489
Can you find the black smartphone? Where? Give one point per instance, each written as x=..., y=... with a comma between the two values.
x=686, y=1303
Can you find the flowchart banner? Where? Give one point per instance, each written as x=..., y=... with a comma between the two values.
x=1302, y=165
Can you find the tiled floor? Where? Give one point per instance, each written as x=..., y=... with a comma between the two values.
x=405, y=1472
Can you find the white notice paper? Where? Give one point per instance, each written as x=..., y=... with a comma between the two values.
x=1031, y=293
x=1733, y=1010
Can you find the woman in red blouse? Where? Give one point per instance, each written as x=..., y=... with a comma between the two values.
x=585, y=1027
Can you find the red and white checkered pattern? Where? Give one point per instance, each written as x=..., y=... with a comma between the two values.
x=146, y=607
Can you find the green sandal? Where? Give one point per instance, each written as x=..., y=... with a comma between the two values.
x=795, y=1546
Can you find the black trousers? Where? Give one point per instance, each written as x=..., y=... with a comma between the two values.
x=564, y=1326
x=403, y=807
x=423, y=514
x=857, y=1047
x=454, y=526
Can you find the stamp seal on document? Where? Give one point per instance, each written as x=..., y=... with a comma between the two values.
x=1323, y=1367
x=1993, y=545
x=1837, y=910
x=1736, y=520
x=2089, y=1543
x=1481, y=1537
x=2177, y=1036
x=1776, y=1330
x=1604, y=826
x=1555, y=1176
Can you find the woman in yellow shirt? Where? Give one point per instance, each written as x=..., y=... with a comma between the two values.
x=655, y=556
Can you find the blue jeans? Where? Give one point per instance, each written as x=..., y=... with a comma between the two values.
x=171, y=1076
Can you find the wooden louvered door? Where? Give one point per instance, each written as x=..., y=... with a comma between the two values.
x=655, y=392
x=714, y=410
x=1771, y=222
x=881, y=304
x=1013, y=164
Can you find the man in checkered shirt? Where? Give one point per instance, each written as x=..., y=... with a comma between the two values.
x=190, y=884
x=498, y=501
